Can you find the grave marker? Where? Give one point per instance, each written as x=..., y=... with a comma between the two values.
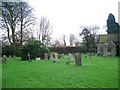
x=46, y=56
x=78, y=59
x=9, y=56
x=29, y=59
x=4, y=59
x=56, y=58
x=14, y=56
x=38, y=58
x=70, y=57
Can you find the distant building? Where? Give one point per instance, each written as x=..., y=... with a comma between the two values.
x=108, y=45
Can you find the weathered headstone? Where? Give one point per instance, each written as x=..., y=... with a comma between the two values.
x=46, y=56
x=63, y=56
x=70, y=57
x=9, y=56
x=29, y=59
x=51, y=56
x=14, y=56
x=4, y=59
x=56, y=58
x=78, y=59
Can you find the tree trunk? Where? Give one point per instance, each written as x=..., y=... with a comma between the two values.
x=13, y=38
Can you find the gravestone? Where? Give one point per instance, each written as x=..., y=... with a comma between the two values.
x=51, y=56
x=46, y=56
x=56, y=58
x=9, y=56
x=78, y=59
x=29, y=59
x=70, y=57
x=63, y=56
x=38, y=58
x=4, y=59
x=14, y=56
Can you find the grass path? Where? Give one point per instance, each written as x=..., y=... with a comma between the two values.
x=98, y=72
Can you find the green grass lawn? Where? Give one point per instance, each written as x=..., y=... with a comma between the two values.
x=98, y=72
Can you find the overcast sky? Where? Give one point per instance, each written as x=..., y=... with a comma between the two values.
x=67, y=16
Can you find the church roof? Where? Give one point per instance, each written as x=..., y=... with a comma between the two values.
x=108, y=37
x=103, y=38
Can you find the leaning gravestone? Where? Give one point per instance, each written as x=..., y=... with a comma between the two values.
x=4, y=59
x=78, y=59
x=46, y=56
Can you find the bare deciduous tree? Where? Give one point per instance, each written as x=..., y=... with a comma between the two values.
x=45, y=31
x=26, y=18
x=9, y=19
x=64, y=40
x=56, y=43
x=72, y=39
x=15, y=15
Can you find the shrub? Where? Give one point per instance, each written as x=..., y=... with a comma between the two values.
x=65, y=50
x=7, y=50
x=35, y=48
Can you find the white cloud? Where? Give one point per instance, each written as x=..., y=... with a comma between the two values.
x=67, y=16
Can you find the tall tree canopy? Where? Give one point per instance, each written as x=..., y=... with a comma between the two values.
x=112, y=25
x=89, y=38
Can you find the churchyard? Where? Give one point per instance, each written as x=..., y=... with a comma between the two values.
x=95, y=72
x=38, y=53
